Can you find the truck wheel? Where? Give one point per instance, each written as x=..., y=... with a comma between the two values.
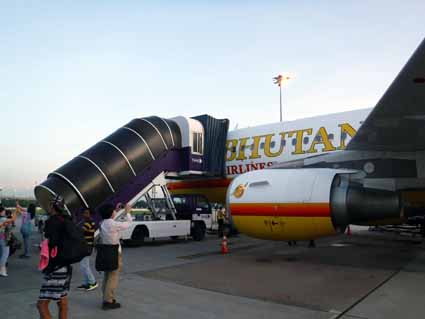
x=138, y=236
x=198, y=231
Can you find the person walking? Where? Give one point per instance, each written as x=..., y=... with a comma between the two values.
x=26, y=226
x=89, y=227
x=5, y=233
x=110, y=235
x=57, y=275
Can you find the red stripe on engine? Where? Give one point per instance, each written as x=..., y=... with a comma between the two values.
x=199, y=184
x=279, y=209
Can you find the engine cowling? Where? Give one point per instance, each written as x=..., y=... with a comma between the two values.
x=303, y=204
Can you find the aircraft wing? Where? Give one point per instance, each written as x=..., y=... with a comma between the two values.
x=397, y=123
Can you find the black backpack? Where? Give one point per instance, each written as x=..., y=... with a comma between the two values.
x=75, y=246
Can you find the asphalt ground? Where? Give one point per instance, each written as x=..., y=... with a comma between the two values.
x=366, y=275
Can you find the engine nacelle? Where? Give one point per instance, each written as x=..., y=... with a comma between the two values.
x=303, y=204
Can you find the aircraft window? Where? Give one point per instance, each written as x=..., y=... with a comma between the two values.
x=331, y=136
x=294, y=141
x=262, y=145
x=305, y=140
x=343, y=136
x=272, y=144
x=233, y=149
x=283, y=142
x=252, y=147
x=318, y=138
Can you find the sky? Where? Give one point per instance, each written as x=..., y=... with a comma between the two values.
x=72, y=72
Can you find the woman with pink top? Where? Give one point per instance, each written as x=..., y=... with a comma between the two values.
x=5, y=224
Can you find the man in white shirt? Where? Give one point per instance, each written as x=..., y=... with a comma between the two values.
x=110, y=235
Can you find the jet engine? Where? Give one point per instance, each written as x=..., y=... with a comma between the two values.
x=306, y=203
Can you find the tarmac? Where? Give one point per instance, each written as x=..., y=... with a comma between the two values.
x=365, y=275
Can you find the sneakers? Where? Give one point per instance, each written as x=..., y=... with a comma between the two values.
x=88, y=287
x=82, y=287
x=3, y=272
x=92, y=286
x=110, y=305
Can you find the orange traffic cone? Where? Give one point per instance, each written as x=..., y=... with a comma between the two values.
x=224, y=247
x=348, y=230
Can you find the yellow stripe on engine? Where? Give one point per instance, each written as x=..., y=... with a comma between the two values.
x=284, y=228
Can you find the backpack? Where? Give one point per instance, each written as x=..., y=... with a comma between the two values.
x=75, y=246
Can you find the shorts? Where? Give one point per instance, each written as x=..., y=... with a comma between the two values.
x=56, y=284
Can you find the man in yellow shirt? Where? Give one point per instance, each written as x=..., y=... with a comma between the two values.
x=89, y=227
x=221, y=216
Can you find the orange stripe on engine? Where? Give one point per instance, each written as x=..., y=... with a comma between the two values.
x=281, y=209
x=200, y=184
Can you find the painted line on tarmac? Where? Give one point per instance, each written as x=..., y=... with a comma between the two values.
x=349, y=308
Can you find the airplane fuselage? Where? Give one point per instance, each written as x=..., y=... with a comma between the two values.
x=262, y=146
x=259, y=147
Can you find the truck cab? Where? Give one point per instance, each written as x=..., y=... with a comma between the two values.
x=194, y=207
x=197, y=208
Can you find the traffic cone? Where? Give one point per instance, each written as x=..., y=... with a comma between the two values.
x=348, y=230
x=224, y=247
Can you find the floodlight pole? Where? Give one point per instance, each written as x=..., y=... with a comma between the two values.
x=280, y=100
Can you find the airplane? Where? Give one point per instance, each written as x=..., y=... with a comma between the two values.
x=313, y=177
x=285, y=181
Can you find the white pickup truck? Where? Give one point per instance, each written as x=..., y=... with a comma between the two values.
x=189, y=215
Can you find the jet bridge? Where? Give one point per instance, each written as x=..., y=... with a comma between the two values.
x=119, y=167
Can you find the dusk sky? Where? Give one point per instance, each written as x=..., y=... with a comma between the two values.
x=75, y=71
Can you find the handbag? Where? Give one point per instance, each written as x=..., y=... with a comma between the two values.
x=106, y=257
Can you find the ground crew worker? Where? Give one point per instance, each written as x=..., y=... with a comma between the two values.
x=220, y=220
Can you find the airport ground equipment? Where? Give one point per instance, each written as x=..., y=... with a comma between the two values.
x=413, y=227
x=161, y=216
x=122, y=167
